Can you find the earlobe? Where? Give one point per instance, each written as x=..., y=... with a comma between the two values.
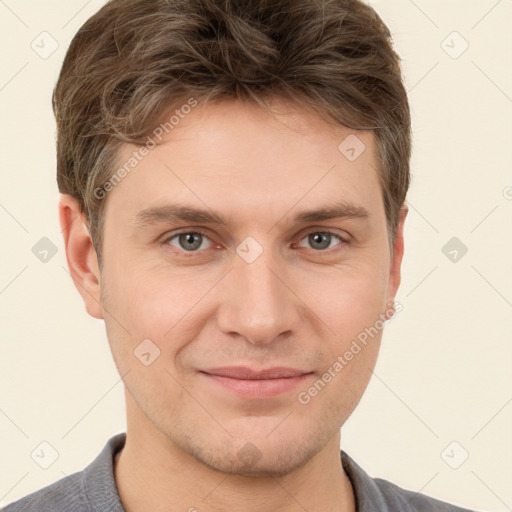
x=80, y=254
x=397, y=256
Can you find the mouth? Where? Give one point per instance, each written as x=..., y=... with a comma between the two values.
x=260, y=384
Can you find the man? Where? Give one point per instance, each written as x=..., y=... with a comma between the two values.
x=233, y=179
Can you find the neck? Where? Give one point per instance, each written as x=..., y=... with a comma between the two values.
x=153, y=473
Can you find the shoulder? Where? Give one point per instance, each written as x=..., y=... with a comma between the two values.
x=64, y=495
x=379, y=495
x=90, y=490
x=413, y=501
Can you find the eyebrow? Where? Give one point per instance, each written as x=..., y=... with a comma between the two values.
x=176, y=212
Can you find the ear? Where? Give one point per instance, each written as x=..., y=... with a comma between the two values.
x=395, y=274
x=80, y=254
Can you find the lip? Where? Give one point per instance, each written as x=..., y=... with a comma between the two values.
x=249, y=383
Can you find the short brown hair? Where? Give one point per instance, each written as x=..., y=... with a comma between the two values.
x=135, y=60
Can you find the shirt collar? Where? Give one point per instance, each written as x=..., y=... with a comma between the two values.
x=368, y=496
x=98, y=478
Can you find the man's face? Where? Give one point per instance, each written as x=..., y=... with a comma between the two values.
x=262, y=290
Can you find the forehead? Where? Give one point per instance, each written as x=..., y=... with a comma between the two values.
x=235, y=157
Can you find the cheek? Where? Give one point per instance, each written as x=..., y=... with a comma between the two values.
x=152, y=300
x=143, y=309
x=351, y=306
x=348, y=299
x=158, y=305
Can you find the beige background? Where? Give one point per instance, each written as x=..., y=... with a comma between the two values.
x=444, y=372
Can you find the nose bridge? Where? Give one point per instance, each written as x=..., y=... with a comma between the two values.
x=260, y=306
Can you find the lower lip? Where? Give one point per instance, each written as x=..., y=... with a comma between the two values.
x=261, y=388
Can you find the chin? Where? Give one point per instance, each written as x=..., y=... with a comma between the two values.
x=250, y=461
x=257, y=456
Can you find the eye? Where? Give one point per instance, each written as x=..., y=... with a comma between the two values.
x=321, y=240
x=193, y=241
x=188, y=241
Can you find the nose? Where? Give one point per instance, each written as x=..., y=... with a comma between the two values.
x=258, y=301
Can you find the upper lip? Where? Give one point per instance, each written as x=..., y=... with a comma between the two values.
x=246, y=373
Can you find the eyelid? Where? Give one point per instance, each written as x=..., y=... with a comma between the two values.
x=342, y=235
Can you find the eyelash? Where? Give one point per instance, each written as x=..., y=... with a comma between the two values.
x=189, y=254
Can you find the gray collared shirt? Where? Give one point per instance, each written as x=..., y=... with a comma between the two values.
x=94, y=490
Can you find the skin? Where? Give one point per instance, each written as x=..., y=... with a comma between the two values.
x=298, y=304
